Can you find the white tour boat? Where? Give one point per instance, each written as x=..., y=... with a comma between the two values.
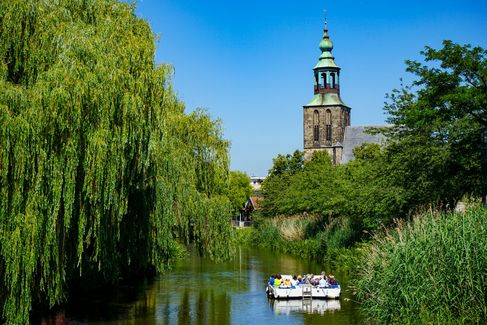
x=303, y=291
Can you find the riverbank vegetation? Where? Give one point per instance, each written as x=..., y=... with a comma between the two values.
x=103, y=175
x=302, y=235
x=434, y=157
x=429, y=270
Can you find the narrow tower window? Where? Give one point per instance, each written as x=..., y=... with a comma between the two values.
x=316, y=133
x=332, y=80
x=316, y=126
x=328, y=125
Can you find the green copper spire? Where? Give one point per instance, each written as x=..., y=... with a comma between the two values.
x=326, y=59
x=326, y=44
x=326, y=75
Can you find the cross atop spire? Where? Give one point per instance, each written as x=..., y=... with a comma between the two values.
x=326, y=23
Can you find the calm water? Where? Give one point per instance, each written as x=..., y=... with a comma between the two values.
x=198, y=291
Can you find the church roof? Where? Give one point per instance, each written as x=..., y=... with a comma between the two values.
x=356, y=136
x=326, y=99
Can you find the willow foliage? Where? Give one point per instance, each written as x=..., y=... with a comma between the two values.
x=101, y=171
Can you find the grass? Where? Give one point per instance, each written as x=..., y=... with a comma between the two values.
x=286, y=234
x=294, y=227
x=430, y=270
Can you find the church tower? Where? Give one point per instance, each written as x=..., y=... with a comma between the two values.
x=326, y=116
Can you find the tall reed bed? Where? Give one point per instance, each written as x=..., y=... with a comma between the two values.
x=430, y=270
x=294, y=227
x=288, y=234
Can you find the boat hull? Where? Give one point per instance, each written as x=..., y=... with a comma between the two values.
x=300, y=292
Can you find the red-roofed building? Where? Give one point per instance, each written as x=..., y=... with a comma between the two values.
x=255, y=202
x=245, y=217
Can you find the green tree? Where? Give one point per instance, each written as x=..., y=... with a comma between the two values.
x=239, y=190
x=441, y=119
x=278, y=180
x=288, y=164
x=101, y=170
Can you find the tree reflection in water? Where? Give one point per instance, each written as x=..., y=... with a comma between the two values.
x=209, y=308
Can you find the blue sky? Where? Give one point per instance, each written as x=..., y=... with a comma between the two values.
x=250, y=62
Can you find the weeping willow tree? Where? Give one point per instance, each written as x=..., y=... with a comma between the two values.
x=101, y=171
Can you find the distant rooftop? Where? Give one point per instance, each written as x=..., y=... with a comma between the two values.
x=356, y=136
x=256, y=202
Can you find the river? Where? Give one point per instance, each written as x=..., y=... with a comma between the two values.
x=199, y=291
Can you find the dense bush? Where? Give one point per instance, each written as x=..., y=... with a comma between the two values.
x=431, y=270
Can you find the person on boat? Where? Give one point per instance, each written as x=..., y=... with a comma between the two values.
x=277, y=281
x=271, y=280
x=309, y=277
x=323, y=283
x=332, y=280
x=301, y=280
x=287, y=282
x=294, y=281
x=314, y=281
x=323, y=275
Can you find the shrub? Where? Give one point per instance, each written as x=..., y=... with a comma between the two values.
x=267, y=236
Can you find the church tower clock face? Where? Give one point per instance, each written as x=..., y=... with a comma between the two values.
x=325, y=117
